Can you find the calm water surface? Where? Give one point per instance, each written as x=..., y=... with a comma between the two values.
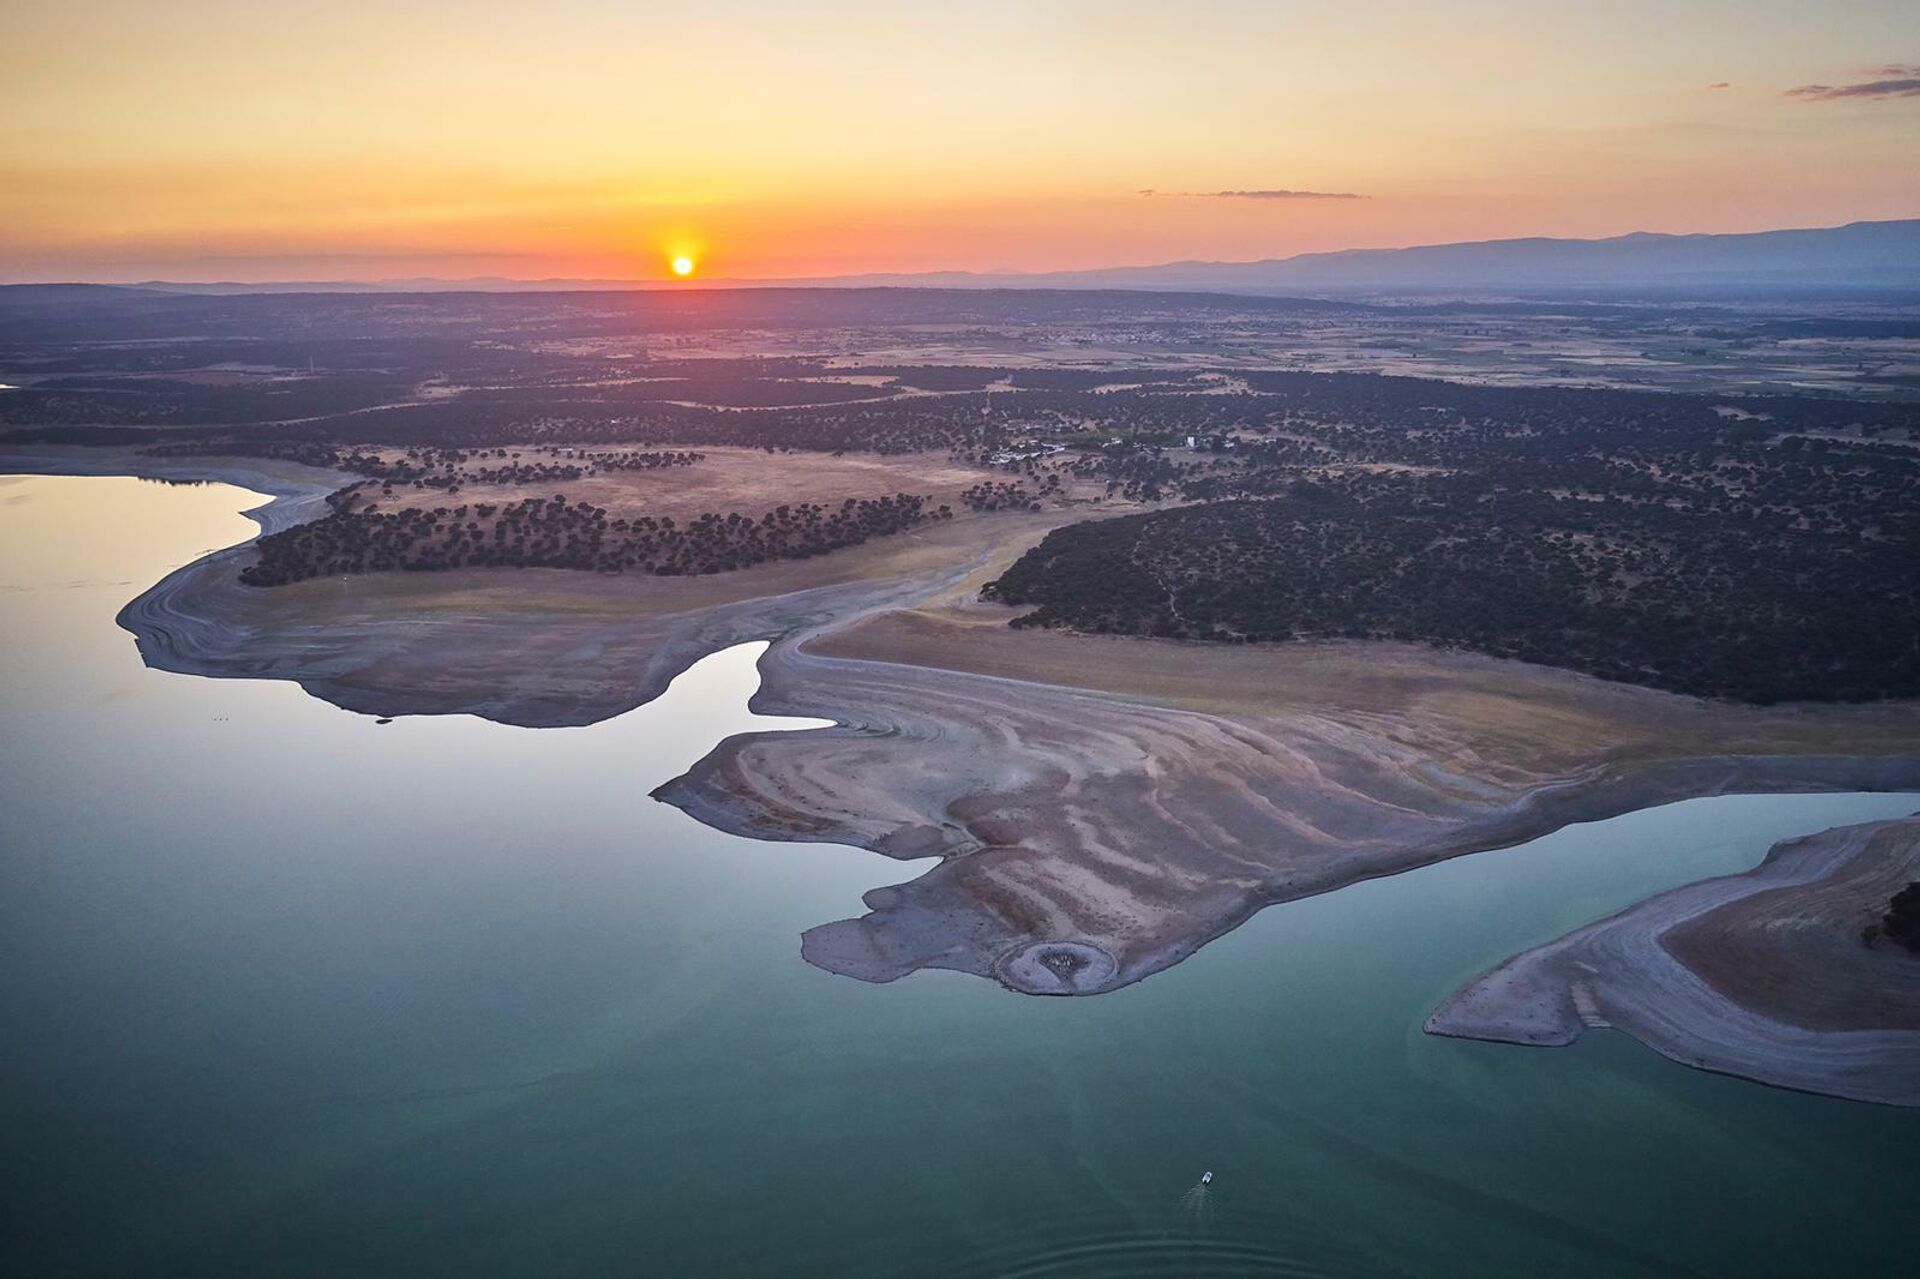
x=286, y=992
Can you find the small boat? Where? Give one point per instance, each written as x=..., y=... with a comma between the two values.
x=1206, y=1178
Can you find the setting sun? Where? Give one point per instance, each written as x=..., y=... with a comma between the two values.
x=682, y=265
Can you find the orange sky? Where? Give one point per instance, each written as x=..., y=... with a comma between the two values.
x=210, y=139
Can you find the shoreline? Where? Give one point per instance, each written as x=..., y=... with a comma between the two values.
x=1097, y=808
x=531, y=647
x=1631, y=972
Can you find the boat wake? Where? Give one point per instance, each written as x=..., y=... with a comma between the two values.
x=1196, y=1206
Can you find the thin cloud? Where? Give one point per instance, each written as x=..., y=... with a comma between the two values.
x=1271, y=193
x=1892, y=80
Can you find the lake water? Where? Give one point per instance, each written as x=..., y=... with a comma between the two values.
x=286, y=992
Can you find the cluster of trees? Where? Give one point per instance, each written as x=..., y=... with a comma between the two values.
x=1032, y=379
x=1756, y=609
x=451, y=468
x=306, y=452
x=166, y=401
x=1901, y=923
x=451, y=477
x=556, y=533
x=939, y=377
x=438, y=468
x=1139, y=474
x=599, y=463
x=1000, y=495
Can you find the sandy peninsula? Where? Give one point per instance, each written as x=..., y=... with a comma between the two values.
x=1103, y=807
x=1763, y=975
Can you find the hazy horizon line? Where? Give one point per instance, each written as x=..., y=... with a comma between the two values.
x=671, y=283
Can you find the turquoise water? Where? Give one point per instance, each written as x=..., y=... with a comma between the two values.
x=287, y=992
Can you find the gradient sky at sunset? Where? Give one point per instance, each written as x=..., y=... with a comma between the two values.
x=209, y=139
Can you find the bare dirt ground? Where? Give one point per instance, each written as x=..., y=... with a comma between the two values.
x=1795, y=954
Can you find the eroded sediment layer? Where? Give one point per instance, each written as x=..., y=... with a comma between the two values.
x=1138, y=830
x=1763, y=974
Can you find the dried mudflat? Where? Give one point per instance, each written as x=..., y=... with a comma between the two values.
x=1099, y=808
x=1138, y=798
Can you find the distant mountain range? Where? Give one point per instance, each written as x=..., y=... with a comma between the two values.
x=1860, y=255
x=1878, y=256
